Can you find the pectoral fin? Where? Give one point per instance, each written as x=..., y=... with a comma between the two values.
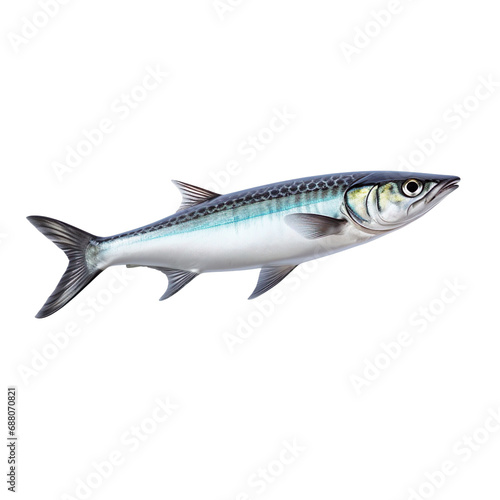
x=269, y=277
x=193, y=195
x=313, y=226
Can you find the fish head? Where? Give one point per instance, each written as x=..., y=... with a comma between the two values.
x=384, y=201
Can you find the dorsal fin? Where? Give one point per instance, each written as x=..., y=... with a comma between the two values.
x=193, y=195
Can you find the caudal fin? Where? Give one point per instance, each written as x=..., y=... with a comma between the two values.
x=79, y=274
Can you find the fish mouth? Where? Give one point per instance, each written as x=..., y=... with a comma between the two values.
x=437, y=194
x=442, y=189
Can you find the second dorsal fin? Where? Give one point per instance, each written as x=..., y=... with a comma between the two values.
x=193, y=195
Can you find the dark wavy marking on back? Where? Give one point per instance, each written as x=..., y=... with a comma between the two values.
x=238, y=199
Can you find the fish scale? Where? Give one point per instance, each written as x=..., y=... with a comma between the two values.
x=274, y=227
x=247, y=197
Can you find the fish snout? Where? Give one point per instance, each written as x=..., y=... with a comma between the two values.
x=442, y=189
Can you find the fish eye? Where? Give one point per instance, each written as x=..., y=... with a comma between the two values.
x=412, y=187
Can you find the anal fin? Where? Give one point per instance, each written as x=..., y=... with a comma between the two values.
x=270, y=277
x=177, y=279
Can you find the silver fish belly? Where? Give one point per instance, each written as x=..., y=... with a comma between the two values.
x=239, y=231
x=274, y=227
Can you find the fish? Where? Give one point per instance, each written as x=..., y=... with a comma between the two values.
x=274, y=228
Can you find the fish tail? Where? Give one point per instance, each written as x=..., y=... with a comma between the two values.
x=81, y=269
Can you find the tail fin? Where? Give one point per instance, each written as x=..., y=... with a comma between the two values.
x=79, y=274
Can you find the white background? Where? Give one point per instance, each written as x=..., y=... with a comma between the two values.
x=292, y=377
